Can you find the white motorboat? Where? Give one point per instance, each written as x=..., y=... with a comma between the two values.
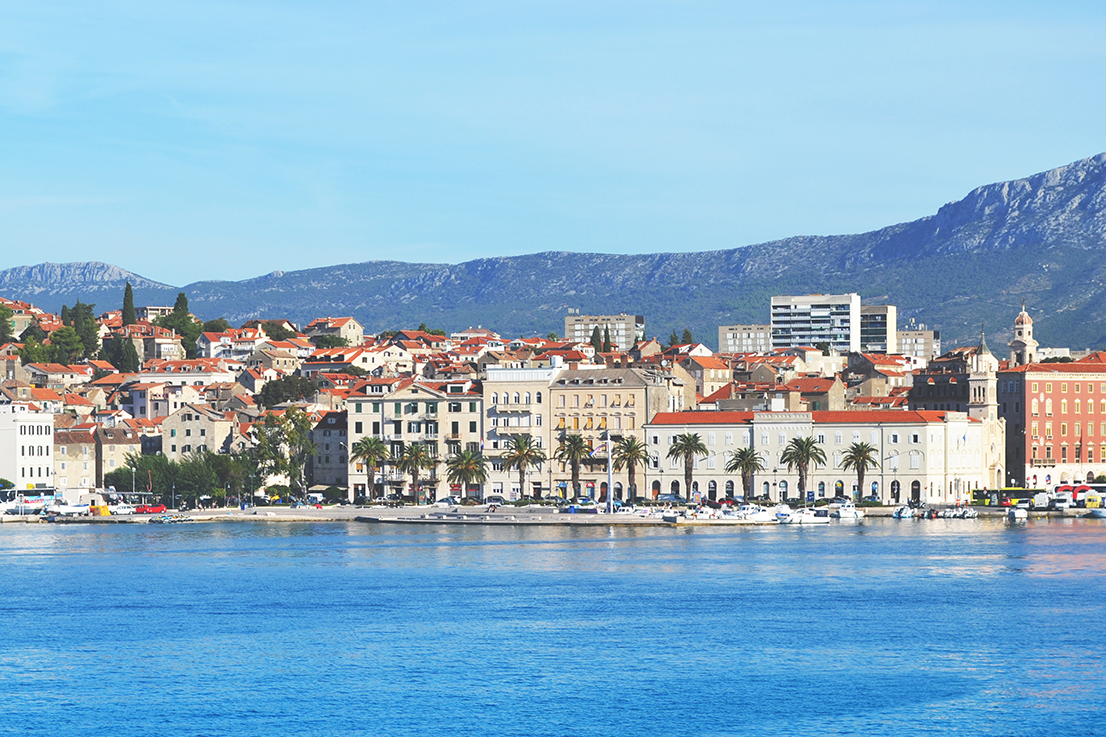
x=810, y=516
x=62, y=509
x=1097, y=513
x=848, y=511
x=903, y=512
x=1016, y=514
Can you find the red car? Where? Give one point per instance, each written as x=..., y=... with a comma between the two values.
x=150, y=509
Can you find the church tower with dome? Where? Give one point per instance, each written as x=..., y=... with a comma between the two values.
x=1023, y=349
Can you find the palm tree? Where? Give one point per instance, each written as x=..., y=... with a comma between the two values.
x=629, y=453
x=522, y=453
x=572, y=450
x=687, y=446
x=860, y=457
x=466, y=468
x=799, y=454
x=747, y=462
x=414, y=459
x=374, y=452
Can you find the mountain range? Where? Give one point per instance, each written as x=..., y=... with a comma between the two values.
x=1040, y=241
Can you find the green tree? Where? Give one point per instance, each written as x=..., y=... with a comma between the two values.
x=553, y=336
x=596, y=339
x=5, y=484
x=284, y=445
x=522, y=454
x=7, y=326
x=34, y=330
x=860, y=457
x=748, y=463
x=687, y=447
x=629, y=453
x=823, y=347
x=34, y=352
x=573, y=450
x=415, y=459
x=83, y=321
x=218, y=325
x=129, y=316
x=798, y=455
x=286, y=389
x=607, y=346
x=196, y=478
x=182, y=322
x=129, y=360
x=276, y=331
x=65, y=346
x=468, y=468
x=329, y=341
x=373, y=452
x=673, y=339
x=686, y=338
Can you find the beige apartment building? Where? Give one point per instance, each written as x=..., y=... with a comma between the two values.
x=625, y=330
x=517, y=402
x=113, y=445
x=744, y=338
x=594, y=401
x=197, y=427
x=445, y=416
x=74, y=461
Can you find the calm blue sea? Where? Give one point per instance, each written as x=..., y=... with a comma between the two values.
x=887, y=628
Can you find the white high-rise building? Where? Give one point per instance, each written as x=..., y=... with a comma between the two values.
x=814, y=319
x=26, y=447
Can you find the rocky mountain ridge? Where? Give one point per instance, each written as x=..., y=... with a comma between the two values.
x=1040, y=240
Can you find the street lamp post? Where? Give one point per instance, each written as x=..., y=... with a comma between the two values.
x=174, y=499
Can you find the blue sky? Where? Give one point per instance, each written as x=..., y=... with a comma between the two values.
x=202, y=140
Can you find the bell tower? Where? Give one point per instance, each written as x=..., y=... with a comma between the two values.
x=1023, y=349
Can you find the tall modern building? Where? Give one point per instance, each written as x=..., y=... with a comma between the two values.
x=879, y=329
x=625, y=329
x=744, y=338
x=809, y=320
x=916, y=341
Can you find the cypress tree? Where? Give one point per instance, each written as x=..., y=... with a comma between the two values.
x=129, y=362
x=687, y=339
x=596, y=340
x=129, y=317
x=673, y=339
x=607, y=347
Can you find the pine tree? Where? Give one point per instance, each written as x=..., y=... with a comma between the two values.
x=129, y=317
x=673, y=339
x=607, y=339
x=687, y=339
x=182, y=322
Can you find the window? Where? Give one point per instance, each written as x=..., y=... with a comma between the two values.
x=1034, y=430
x=495, y=397
x=915, y=460
x=1078, y=406
x=710, y=438
x=1063, y=406
x=1063, y=428
x=1048, y=408
x=472, y=406
x=894, y=438
x=472, y=427
x=1064, y=387
x=357, y=427
x=1048, y=429
x=1048, y=386
x=729, y=438
x=837, y=438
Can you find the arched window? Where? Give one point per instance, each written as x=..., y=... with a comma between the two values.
x=1037, y=406
x=495, y=398
x=656, y=487
x=821, y=488
x=712, y=489
x=617, y=489
x=710, y=438
x=526, y=399
x=516, y=398
x=783, y=438
x=766, y=488
x=1048, y=407
x=838, y=487
x=729, y=488
x=675, y=487
x=539, y=397
x=783, y=490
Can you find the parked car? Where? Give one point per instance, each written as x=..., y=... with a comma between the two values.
x=1024, y=504
x=671, y=499
x=150, y=509
x=871, y=498
x=494, y=499
x=447, y=501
